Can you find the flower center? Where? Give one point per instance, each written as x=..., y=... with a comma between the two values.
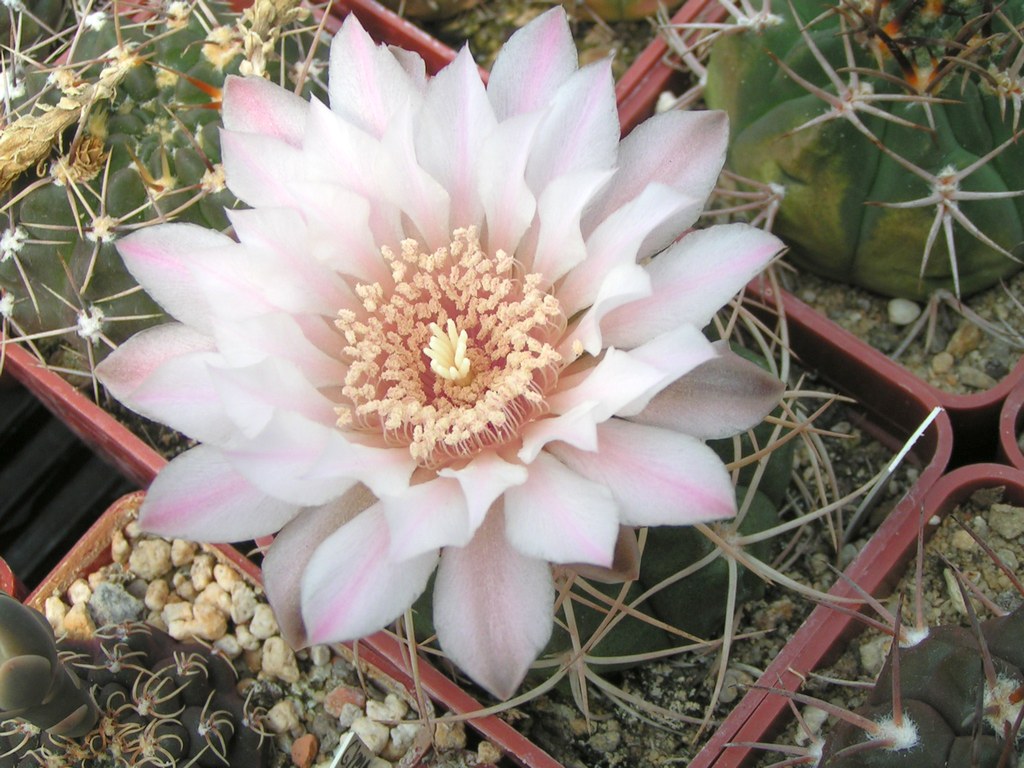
x=453, y=355
x=447, y=353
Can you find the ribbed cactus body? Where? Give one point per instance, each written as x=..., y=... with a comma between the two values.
x=959, y=717
x=838, y=184
x=137, y=107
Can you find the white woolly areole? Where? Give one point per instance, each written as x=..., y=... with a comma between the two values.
x=1002, y=704
x=95, y=21
x=912, y=636
x=14, y=5
x=90, y=324
x=7, y=305
x=899, y=736
x=11, y=242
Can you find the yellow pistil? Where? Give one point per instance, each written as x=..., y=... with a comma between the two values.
x=452, y=355
x=447, y=353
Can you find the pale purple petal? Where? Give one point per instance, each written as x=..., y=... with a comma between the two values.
x=163, y=373
x=532, y=65
x=559, y=516
x=293, y=547
x=367, y=84
x=255, y=105
x=352, y=588
x=161, y=259
x=425, y=517
x=580, y=132
x=492, y=608
x=721, y=397
x=452, y=125
x=657, y=476
x=681, y=149
x=692, y=280
x=625, y=566
x=200, y=497
x=483, y=481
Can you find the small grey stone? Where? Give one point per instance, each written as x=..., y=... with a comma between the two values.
x=1006, y=520
x=903, y=311
x=113, y=604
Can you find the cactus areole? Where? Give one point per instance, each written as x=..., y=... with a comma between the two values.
x=891, y=127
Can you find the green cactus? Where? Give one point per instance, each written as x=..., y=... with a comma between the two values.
x=113, y=131
x=891, y=129
x=954, y=713
x=160, y=703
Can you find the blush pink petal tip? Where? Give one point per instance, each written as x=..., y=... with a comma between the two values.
x=493, y=608
x=255, y=105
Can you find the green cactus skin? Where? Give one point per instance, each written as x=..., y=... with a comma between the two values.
x=34, y=685
x=945, y=693
x=834, y=177
x=162, y=703
x=146, y=150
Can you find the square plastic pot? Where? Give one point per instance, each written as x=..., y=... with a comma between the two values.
x=876, y=569
x=94, y=551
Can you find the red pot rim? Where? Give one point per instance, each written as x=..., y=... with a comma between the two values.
x=9, y=582
x=1011, y=424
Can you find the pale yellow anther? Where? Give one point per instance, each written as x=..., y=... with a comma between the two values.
x=447, y=353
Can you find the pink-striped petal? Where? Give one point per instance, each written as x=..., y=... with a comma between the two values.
x=721, y=397
x=352, y=588
x=580, y=131
x=452, y=125
x=483, y=481
x=261, y=170
x=293, y=547
x=492, y=608
x=532, y=65
x=367, y=84
x=163, y=373
x=680, y=149
x=200, y=497
x=692, y=280
x=161, y=260
x=509, y=205
x=559, y=516
x=658, y=477
x=619, y=380
x=255, y=105
x=425, y=517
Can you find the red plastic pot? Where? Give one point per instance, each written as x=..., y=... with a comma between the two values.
x=878, y=567
x=1011, y=426
x=9, y=582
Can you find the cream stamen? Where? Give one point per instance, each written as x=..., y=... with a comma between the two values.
x=447, y=353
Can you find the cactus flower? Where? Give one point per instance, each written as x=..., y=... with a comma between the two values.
x=456, y=330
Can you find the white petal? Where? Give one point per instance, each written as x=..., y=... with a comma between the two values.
x=260, y=169
x=352, y=588
x=425, y=517
x=508, y=203
x=455, y=119
x=200, y=497
x=574, y=427
x=680, y=149
x=283, y=565
x=619, y=239
x=617, y=381
x=559, y=516
x=492, y=608
x=580, y=132
x=692, y=280
x=163, y=373
x=161, y=260
x=626, y=283
x=483, y=481
x=255, y=105
x=532, y=65
x=719, y=398
x=657, y=476
x=367, y=84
